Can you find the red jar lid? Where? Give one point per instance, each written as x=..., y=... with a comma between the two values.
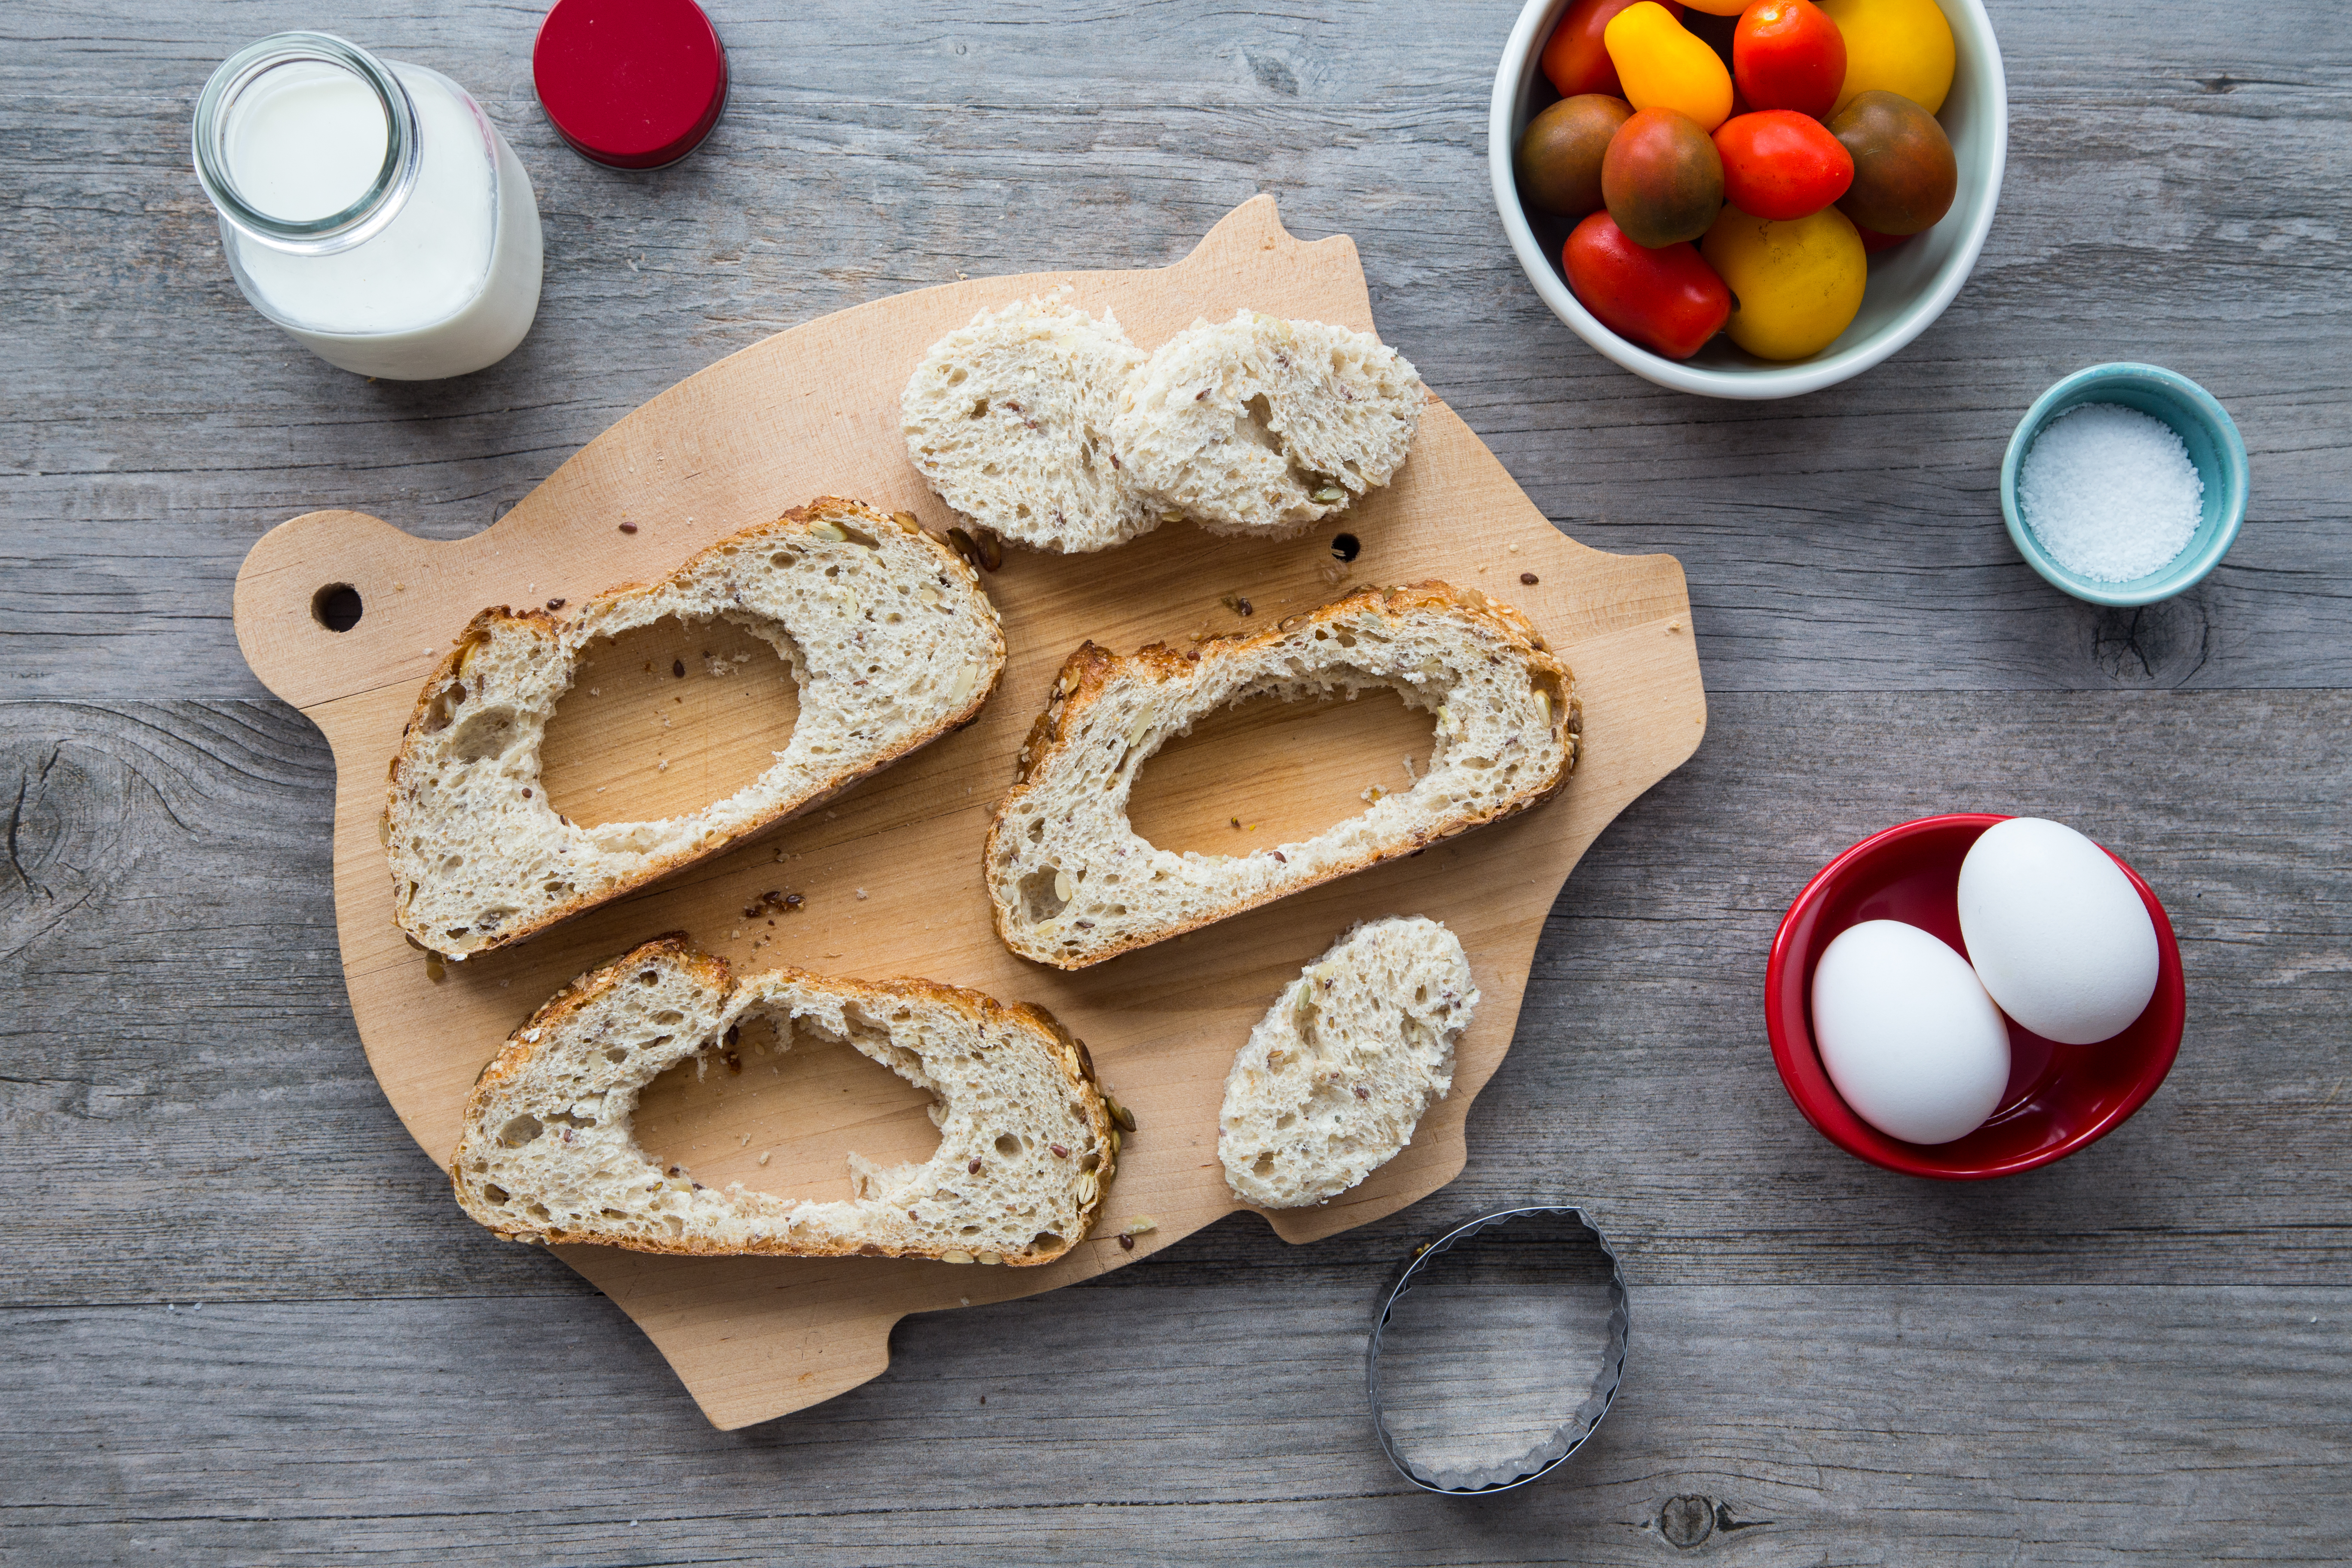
x=632, y=83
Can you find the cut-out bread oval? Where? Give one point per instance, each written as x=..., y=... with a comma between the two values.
x=885, y=630
x=1026, y=1154
x=1261, y=425
x=1346, y=1063
x=1072, y=882
x=1009, y=417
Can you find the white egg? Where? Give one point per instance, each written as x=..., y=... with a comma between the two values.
x=1909, y=1037
x=2057, y=933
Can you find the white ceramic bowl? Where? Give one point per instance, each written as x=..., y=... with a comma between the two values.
x=1909, y=286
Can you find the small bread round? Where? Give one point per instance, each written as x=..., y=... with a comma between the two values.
x=1343, y=1067
x=1008, y=418
x=1261, y=425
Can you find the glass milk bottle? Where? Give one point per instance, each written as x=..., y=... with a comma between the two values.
x=369, y=207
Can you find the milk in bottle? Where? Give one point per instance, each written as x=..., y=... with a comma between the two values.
x=369, y=207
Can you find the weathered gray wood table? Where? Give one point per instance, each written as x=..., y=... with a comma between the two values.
x=244, y=1323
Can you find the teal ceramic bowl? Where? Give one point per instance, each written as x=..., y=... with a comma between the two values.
x=2204, y=428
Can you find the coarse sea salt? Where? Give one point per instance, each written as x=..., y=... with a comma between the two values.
x=2110, y=493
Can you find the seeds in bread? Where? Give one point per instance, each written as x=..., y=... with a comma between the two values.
x=1263, y=425
x=886, y=632
x=1025, y=1152
x=1072, y=882
x=1341, y=1069
x=1009, y=418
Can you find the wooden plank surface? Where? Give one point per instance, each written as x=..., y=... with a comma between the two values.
x=195, y=1059
x=2111, y=1358
x=2167, y=200
x=1771, y=1425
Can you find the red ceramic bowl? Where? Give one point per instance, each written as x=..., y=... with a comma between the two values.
x=2059, y=1098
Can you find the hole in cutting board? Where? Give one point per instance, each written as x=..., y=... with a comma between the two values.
x=1286, y=770
x=713, y=700
x=808, y=1108
x=337, y=606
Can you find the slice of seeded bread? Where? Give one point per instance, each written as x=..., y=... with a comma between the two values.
x=1263, y=425
x=1009, y=419
x=887, y=631
x=1074, y=884
x=1025, y=1145
x=1343, y=1067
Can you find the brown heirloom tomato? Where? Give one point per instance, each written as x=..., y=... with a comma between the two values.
x=1666, y=299
x=1576, y=60
x=1662, y=178
x=1788, y=54
x=1778, y=164
x=1905, y=176
x=1560, y=156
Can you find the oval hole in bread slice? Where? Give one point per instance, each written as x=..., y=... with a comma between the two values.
x=1072, y=882
x=1281, y=771
x=818, y=1111
x=717, y=725
x=550, y=1148
x=893, y=640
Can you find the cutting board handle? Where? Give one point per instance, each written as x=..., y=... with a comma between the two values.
x=282, y=606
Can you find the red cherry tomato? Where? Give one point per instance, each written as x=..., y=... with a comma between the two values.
x=1669, y=300
x=1781, y=164
x=1873, y=242
x=1575, y=59
x=1788, y=54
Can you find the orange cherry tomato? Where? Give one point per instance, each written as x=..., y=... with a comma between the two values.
x=1576, y=59
x=1788, y=54
x=1665, y=66
x=1668, y=300
x=1781, y=164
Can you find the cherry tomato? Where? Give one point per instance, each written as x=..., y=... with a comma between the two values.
x=1781, y=164
x=1799, y=284
x=1560, y=156
x=1662, y=178
x=1873, y=242
x=1904, y=173
x=1894, y=46
x=1663, y=65
x=1668, y=300
x=1576, y=60
x=1788, y=54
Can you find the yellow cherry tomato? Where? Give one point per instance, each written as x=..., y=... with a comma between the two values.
x=1662, y=65
x=1896, y=46
x=1795, y=285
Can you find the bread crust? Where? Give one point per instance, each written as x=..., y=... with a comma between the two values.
x=544, y=1032
x=1091, y=672
x=433, y=711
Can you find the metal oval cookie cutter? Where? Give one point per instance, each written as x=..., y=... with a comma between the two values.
x=1553, y=1451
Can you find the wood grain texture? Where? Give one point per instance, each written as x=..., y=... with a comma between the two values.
x=1757, y=1425
x=2167, y=200
x=181, y=1088
x=184, y=1063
